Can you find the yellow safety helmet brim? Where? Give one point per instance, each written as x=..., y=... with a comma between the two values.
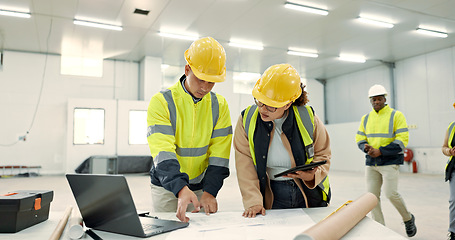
x=278, y=86
x=210, y=78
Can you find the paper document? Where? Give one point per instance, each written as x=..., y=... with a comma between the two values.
x=276, y=224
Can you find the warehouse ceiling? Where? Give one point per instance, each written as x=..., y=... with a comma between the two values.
x=50, y=29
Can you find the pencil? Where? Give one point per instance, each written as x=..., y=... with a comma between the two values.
x=336, y=210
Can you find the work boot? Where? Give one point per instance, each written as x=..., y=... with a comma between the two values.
x=451, y=236
x=411, y=228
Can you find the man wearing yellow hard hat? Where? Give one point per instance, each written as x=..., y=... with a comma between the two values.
x=189, y=135
x=383, y=135
x=279, y=132
x=448, y=149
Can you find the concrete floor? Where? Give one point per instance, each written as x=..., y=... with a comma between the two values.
x=425, y=195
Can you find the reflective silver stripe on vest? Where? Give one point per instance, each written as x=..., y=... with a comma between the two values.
x=163, y=129
x=191, y=152
x=215, y=108
x=361, y=133
x=163, y=156
x=400, y=143
x=449, y=140
x=401, y=130
x=450, y=132
x=365, y=120
x=248, y=118
x=197, y=179
x=390, y=134
x=392, y=115
x=167, y=94
x=303, y=112
x=215, y=161
x=305, y=115
x=308, y=124
x=223, y=132
x=220, y=162
x=451, y=127
x=361, y=142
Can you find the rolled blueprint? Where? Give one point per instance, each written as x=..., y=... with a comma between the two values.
x=337, y=224
x=76, y=229
x=61, y=224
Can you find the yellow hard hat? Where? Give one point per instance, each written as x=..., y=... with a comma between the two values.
x=278, y=85
x=207, y=59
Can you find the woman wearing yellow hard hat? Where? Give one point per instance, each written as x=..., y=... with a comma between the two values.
x=279, y=132
x=448, y=149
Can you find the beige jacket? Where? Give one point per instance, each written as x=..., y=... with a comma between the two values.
x=246, y=172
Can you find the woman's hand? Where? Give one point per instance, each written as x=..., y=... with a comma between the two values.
x=452, y=151
x=307, y=175
x=252, y=211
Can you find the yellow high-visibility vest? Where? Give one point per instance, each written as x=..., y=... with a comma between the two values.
x=451, y=131
x=379, y=129
x=196, y=134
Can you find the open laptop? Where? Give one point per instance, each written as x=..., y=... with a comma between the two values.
x=106, y=204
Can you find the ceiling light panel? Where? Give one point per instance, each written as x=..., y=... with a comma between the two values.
x=352, y=58
x=374, y=22
x=432, y=33
x=97, y=25
x=178, y=36
x=11, y=13
x=304, y=8
x=254, y=46
x=302, y=53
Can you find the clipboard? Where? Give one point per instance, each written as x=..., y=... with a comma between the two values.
x=301, y=168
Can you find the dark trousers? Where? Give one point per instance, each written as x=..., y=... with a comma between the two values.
x=286, y=194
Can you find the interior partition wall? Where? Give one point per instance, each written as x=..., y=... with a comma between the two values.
x=116, y=131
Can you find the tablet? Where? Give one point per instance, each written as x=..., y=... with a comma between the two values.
x=301, y=168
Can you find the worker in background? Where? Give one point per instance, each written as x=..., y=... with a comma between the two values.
x=383, y=135
x=190, y=134
x=448, y=149
x=279, y=132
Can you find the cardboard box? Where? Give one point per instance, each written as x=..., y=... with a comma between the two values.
x=24, y=208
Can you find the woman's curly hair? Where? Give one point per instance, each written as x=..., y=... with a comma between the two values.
x=303, y=98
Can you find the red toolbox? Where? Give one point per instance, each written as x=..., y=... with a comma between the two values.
x=24, y=208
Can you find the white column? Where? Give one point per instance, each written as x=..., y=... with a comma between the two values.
x=150, y=77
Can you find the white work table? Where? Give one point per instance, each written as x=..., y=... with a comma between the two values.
x=365, y=229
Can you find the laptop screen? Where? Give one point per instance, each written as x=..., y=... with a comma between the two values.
x=105, y=203
x=101, y=198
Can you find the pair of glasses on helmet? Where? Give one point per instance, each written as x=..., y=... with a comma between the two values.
x=259, y=104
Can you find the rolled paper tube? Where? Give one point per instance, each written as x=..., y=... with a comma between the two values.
x=76, y=229
x=340, y=222
x=61, y=224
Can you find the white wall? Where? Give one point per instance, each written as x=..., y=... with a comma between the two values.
x=20, y=84
x=123, y=147
x=347, y=95
x=115, y=132
x=346, y=156
x=76, y=154
x=315, y=91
